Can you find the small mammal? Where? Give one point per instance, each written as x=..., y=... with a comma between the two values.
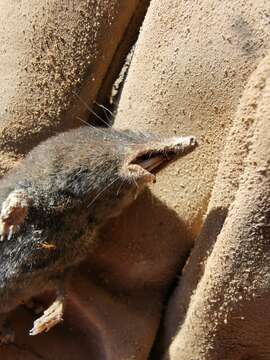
x=56, y=199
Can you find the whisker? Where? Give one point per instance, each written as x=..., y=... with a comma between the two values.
x=102, y=191
x=91, y=110
x=135, y=182
x=106, y=109
x=120, y=187
x=102, y=120
x=83, y=121
x=91, y=126
x=96, y=128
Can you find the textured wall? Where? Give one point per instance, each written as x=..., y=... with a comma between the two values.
x=51, y=50
x=191, y=65
x=188, y=73
x=227, y=313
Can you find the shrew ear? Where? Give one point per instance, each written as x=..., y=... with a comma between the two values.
x=147, y=159
x=136, y=172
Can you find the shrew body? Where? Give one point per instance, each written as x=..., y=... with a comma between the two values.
x=54, y=202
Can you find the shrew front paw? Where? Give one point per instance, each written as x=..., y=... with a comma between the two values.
x=13, y=213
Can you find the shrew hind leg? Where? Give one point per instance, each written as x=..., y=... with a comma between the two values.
x=51, y=316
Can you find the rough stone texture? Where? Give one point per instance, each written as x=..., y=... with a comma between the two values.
x=190, y=66
x=187, y=77
x=51, y=51
x=228, y=307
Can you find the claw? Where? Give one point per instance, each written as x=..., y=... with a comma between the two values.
x=51, y=317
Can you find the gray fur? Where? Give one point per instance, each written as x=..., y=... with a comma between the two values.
x=75, y=181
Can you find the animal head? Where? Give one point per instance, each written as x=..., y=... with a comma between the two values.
x=123, y=163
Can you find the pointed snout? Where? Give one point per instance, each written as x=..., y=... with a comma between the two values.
x=184, y=142
x=153, y=156
x=178, y=145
